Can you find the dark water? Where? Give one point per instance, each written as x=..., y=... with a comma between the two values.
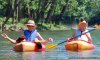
x=59, y=53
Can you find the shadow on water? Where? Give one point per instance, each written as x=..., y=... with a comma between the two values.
x=59, y=53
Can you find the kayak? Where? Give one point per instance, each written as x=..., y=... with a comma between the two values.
x=78, y=45
x=97, y=26
x=27, y=47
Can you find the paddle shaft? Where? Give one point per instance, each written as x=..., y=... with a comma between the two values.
x=76, y=36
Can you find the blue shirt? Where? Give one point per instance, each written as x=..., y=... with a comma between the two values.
x=78, y=32
x=30, y=36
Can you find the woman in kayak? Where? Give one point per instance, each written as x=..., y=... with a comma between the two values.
x=32, y=34
x=82, y=28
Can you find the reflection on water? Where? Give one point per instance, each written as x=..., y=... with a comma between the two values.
x=59, y=53
x=50, y=55
x=81, y=55
x=33, y=55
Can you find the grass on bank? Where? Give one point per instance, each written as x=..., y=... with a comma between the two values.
x=21, y=25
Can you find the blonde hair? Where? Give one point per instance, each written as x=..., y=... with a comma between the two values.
x=82, y=22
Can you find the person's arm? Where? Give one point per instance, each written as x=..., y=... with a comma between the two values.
x=89, y=37
x=73, y=35
x=48, y=40
x=39, y=36
x=6, y=36
x=42, y=40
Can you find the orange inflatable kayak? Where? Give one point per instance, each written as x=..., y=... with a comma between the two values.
x=27, y=47
x=78, y=45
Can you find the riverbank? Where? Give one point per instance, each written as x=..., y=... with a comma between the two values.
x=20, y=27
x=53, y=27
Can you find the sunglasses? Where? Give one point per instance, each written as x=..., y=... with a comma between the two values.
x=30, y=26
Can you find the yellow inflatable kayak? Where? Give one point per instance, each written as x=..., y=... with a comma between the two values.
x=27, y=47
x=78, y=45
x=97, y=26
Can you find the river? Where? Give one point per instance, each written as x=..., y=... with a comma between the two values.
x=58, y=53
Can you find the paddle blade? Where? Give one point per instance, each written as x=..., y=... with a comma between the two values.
x=51, y=46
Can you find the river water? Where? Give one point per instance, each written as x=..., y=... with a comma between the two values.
x=58, y=53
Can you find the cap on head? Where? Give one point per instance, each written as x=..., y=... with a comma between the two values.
x=31, y=23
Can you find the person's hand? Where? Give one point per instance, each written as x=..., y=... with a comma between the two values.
x=68, y=40
x=4, y=35
x=83, y=33
x=50, y=39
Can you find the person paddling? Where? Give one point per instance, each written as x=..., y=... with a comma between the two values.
x=82, y=28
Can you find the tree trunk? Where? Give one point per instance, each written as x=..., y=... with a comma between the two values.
x=51, y=11
x=8, y=14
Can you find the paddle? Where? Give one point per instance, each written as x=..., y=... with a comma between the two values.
x=52, y=46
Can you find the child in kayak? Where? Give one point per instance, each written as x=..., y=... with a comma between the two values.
x=82, y=28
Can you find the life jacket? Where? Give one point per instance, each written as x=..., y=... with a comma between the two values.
x=30, y=36
x=83, y=37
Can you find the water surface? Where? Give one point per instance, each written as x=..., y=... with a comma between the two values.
x=59, y=53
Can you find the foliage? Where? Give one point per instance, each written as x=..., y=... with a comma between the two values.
x=48, y=11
